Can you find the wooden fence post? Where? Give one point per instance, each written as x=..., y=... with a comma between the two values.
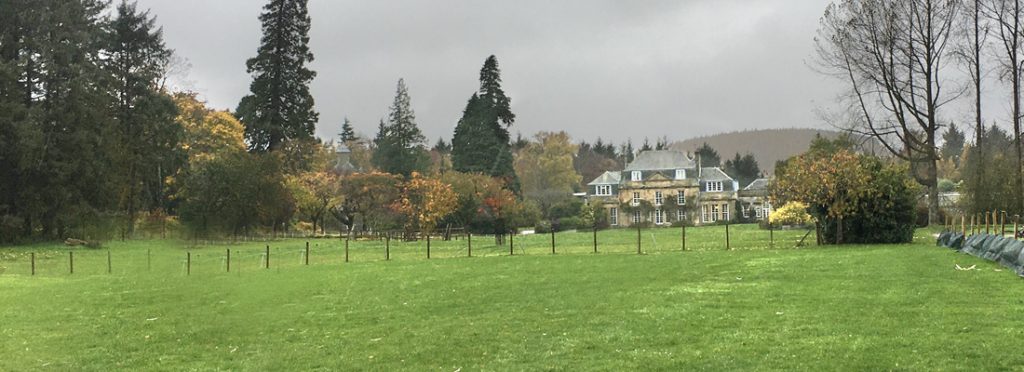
x=188, y=263
x=727, y=246
x=683, y=235
x=346, y=250
x=771, y=236
x=33, y=263
x=552, y=241
x=1002, y=224
x=267, y=263
x=110, y=268
x=469, y=242
x=71, y=262
x=307, y=253
x=387, y=247
x=228, y=261
x=639, y=250
x=988, y=218
x=963, y=224
x=595, y=238
x=511, y=244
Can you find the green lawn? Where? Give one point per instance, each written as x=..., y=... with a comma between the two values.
x=855, y=307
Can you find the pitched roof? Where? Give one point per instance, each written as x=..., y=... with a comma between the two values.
x=713, y=174
x=758, y=185
x=608, y=178
x=660, y=160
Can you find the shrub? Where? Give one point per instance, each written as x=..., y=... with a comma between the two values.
x=854, y=198
x=566, y=208
x=569, y=223
x=543, y=227
x=791, y=214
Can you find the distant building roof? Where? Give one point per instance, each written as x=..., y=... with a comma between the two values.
x=759, y=184
x=661, y=160
x=713, y=174
x=608, y=178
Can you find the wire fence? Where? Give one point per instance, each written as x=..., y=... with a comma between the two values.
x=140, y=257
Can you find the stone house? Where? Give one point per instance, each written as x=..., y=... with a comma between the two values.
x=662, y=188
x=753, y=200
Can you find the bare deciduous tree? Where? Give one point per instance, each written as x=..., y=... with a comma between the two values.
x=892, y=54
x=1006, y=16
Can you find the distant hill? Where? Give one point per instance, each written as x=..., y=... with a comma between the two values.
x=767, y=145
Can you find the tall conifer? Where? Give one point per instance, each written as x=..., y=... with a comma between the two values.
x=400, y=143
x=481, y=140
x=280, y=107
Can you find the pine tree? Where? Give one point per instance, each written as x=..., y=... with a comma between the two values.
x=646, y=146
x=744, y=169
x=280, y=107
x=708, y=156
x=953, y=144
x=347, y=133
x=54, y=109
x=442, y=147
x=147, y=134
x=400, y=143
x=481, y=143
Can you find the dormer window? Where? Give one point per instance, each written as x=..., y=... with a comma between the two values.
x=715, y=186
x=604, y=190
x=635, y=176
x=680, y=174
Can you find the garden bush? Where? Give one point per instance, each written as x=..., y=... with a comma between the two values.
x=791, y=214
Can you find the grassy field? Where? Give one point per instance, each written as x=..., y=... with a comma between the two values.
x=854, y=307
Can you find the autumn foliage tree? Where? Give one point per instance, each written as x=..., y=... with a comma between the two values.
x=834, y=184
x=369, y=197
x=855, y=198
x=314, y=193
x=425, y=202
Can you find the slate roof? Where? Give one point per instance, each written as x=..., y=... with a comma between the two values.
x=608, y=178
x=661, y=160
x=759, y=184
x=713, y=174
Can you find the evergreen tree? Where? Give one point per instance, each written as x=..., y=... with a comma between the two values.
x=481, y=143
x=953, y=144
x=627, y=153
x=147, y=134
x=280, y=107
x=442, y=147
x=743, y=169
x=347, y=133
x=708, y=156
x=55, y=127
x=400, y=143
x=646, y=146
x=662, y=143
x=491, y=92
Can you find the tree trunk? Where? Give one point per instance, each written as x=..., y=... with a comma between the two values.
x=839, y=230
x=933, y=193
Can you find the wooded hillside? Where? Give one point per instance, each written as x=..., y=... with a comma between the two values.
x=767, y=145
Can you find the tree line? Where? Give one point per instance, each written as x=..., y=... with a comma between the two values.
x=94, y=144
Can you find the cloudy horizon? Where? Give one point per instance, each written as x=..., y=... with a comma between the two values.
x=606, y=69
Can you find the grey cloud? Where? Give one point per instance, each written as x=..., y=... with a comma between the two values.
x=613, y=69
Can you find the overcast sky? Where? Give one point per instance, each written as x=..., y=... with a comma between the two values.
x=615, y=69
